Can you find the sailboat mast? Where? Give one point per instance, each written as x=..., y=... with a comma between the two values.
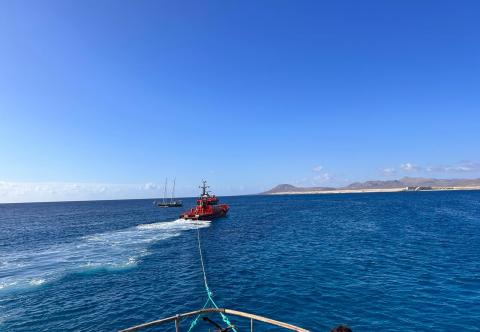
x=173, y=189
x=165, y=191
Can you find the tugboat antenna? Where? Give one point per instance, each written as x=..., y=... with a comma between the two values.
x=204, y=188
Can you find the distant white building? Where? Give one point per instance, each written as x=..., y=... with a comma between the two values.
x=417, y=188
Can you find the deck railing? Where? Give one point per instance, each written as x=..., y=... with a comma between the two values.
x=179, y=317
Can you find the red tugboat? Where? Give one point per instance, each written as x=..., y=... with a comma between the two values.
x=207, y=207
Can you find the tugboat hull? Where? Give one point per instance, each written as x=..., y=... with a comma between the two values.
x=199, y=213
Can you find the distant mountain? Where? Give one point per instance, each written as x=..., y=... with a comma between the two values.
x=288, y=188
x=380, y=184
x=376, y=185
x=440, y=182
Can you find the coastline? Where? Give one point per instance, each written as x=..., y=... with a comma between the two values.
x=360, y=191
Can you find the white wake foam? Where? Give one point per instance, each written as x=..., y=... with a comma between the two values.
x=111, y=250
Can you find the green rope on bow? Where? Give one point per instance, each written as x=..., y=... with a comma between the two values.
x=209, y=292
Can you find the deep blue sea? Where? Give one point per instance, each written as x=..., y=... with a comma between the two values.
x=388, y=261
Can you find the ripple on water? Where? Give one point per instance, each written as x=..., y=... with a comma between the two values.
x=121, y=249
x=390, y=262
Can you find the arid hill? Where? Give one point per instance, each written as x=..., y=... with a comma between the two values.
x=380, y=184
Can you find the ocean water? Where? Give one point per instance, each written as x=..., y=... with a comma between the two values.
x=389, y=262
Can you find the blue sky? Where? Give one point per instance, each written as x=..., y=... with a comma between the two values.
x=104, y=99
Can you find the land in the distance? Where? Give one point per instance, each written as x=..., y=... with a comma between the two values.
x=404, y=184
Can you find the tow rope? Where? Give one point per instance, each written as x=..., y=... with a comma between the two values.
x=209, y=292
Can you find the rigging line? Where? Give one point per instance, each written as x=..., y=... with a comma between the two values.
x=209, y=293
x=201, y=260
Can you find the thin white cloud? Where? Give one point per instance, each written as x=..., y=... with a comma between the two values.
x=389, y=171
x=322, y=177
x=409, y=167
x=150, y=186
x=460, y=167
x=13, y=192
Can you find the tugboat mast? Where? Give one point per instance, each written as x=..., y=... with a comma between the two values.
x=204, y=188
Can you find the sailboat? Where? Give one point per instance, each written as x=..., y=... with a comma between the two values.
x=168, y=203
